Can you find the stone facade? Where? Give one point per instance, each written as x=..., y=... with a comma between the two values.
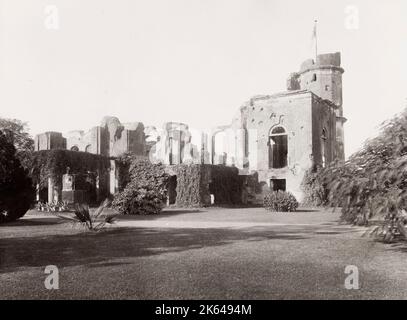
x=176, y=144
x=281, y=136
x=274, y=138
x=111, y=138
x=49, y=140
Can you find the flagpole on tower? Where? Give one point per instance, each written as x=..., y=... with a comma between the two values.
x=316, y=39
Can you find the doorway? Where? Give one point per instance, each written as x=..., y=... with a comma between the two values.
x=172, y=189
x=278, y=184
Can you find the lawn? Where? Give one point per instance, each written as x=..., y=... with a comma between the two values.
x=199, y=254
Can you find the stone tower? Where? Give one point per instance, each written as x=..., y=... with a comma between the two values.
x=323, y=77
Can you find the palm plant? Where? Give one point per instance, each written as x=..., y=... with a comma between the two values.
x=91, y=220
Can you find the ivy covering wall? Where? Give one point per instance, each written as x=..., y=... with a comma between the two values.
x=191, y=189
x=226, y=185
x=196, y=183
x=53, y=164
x=123, y=163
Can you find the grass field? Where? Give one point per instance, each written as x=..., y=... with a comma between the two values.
x=200, y=254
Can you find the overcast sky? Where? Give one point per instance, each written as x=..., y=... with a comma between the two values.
x=193, y=61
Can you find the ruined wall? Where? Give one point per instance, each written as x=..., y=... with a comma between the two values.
x=136, y=138
x=111, y=138
x=123, y=138
x=293, y=112
x=340, y=138
x=176, y=144
x=90, y=141
x=229, y=143
x=323, y=77
x=323, y=117
x=49, y=141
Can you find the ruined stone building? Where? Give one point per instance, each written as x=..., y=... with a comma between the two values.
x=276, y=137
x=281, y=136
x=110, y=139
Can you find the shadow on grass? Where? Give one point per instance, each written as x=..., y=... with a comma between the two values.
x=89, y=248
x=162, y=214
x=400, y=246
x=32, y=222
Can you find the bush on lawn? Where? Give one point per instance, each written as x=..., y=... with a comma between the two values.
x=16, y=190
x=146, y=193
x=92, y=220
x=280, y=201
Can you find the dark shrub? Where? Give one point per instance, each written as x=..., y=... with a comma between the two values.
x=280, y=201
x=16, y=191
x=16, y=133
x=146, y=193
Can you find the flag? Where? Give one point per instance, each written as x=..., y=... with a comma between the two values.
x=314, y=41
x=314, y=32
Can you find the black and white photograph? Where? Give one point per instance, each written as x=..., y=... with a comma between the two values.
x=220, y=152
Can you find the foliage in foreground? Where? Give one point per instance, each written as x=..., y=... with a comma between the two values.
x=16, y=133
x=16, y=191
x=372, y=184
x=146, y=193
x=280, y=201
x=315, y=189
x=91, y=220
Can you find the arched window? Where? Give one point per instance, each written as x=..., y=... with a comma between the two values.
x=324, y=139
x=75, y=148
x=278, y=148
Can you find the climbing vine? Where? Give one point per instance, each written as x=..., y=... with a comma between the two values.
x=54, y=163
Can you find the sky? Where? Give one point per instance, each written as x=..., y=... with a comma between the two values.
x=64, y=64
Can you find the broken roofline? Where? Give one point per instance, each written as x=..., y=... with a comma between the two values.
x=286, y=94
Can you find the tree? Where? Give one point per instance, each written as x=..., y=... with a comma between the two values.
x=17, y=134
x=372, y=184
x=16, y=189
